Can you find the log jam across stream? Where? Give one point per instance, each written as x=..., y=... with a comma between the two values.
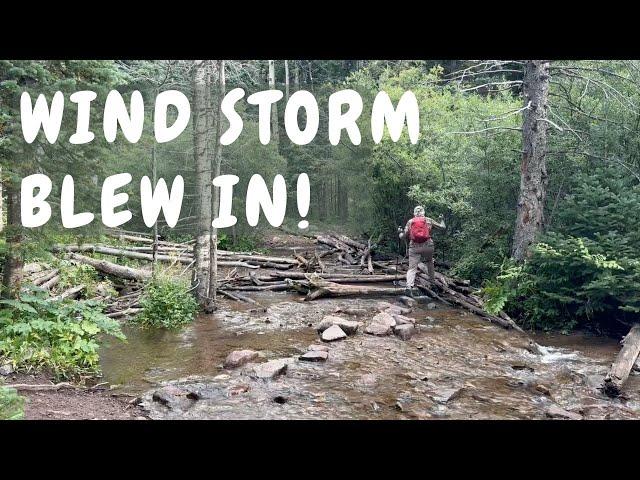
x=456, y=365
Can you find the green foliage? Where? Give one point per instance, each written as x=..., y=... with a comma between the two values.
x=72, y=275
x=166, y=303
x=37, y=333
x=11, y=404
x=242, y=243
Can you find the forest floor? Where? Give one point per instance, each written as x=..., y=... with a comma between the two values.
x=75, y=404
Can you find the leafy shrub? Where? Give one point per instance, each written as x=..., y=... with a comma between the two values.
x=11, y=404
x=37, y=333
x=72, y=275
x=241, y=244
x=166, y=303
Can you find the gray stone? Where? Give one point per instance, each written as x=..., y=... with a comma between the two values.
x=381, y=324
x=350, y=327
x=318, y=348
x=554, y=411
x=271, y=369
x=405, y=332
x=333, y=333
x=397, y=310
x=408, y=301
x=315, y=356
x=429, y=319
x=444, y=395
x=6, y=369
x=402, y=320
x=172, y=397
x=431, y=306
x=238, y=358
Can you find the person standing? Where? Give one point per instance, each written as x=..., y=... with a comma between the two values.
x=418, y=230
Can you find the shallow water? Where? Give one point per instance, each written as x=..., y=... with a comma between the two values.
x=455, y=366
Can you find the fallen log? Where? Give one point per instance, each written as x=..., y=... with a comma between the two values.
x=124, y=313
x=338, y=277
x=72, y=292
x=109, y=268
x=44, y=278
x=621, y=367
x=321, y=288
x=39, y=387
x=52, y=282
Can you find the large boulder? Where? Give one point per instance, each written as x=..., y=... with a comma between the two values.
x=333, y=333
x=350, y=327
x=237, y=358
x=381, y=324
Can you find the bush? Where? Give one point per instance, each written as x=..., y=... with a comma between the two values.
x=11, y=404
x=37, y=333
x=166, y=303
x=72, y=275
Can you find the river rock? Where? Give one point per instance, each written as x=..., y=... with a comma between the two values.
x=237, y=358
x=314, y=356
x=554, y=411
x=444, y=395
x=402, y=320
x=405, y=331
x=271, y=369
x=6, y=369
x=350, y=327
x=408, y=301
x=381, y=324
x=431, y=306
x=333, y=333
x=172, y=396
x=317, y=348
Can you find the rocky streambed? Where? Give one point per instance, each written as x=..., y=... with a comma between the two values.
x=378, y=360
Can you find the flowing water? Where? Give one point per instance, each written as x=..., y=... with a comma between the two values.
x=455, y=366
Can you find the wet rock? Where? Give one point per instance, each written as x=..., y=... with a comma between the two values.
x=543, y=389
x=238, y=358
x=431, y=306
x=405, y=332
x=381, y=324
x=554, y=411
x=350, y=327
x=408, y=301
x=237, y=390
x=172, y=396
x=429, y=319
x=280, y=399
x=368, y=379
x=6, y=369
x=270, y=370
x=522, y=366
x=315, y=356
x=318, y=348
x=445, y=395
x=351, y=311
x=333, y=333
x=402, y=320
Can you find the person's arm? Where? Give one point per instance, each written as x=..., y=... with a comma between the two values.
x=406, y=229
x=436, y=224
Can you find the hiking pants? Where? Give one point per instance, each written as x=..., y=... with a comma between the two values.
x=418, y=252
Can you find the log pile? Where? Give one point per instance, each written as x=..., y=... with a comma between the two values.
x=336, y=266
x=623, y=364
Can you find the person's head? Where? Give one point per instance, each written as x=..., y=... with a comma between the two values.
x=418, y=211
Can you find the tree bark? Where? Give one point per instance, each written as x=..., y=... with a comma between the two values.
x=216, y=164
x=533, y=170
x=201, y=102
x=275, y=134
x=623, y=364
x=112, y=269
x=13, y=262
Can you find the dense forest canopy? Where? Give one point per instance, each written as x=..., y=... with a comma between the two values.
x=501, y=142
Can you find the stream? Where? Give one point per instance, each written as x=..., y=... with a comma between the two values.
x=456, y=366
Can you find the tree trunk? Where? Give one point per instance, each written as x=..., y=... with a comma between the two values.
x=13, y=262
x=623, y=364
x=533, y=170
x=286, y=79
x=1, y=203
x=201, y=102
x=274, y=109
x=216, y=164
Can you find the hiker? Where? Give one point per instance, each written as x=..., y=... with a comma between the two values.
x=420, y=243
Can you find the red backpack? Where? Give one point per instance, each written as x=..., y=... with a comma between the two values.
x=420, y=230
